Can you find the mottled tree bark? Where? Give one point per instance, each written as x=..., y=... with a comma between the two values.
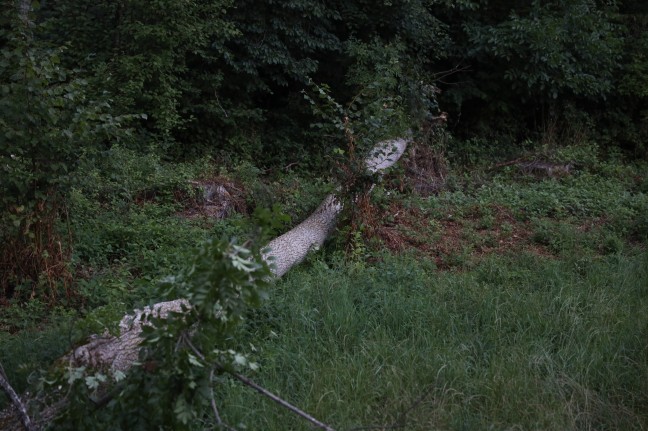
x=284, y=252
x=118, y=353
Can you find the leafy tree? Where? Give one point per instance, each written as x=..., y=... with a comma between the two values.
x=48, y=124
x=523, y=63
x=229, y=75
x=156, y=58
x=624, y=118
x=556, y=49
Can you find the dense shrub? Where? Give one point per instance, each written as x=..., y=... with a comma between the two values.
x=49, y=123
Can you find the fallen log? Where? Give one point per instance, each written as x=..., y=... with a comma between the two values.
x=284, y=252
x=119, y=353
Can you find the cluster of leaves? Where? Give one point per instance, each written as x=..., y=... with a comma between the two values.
x=48, y=124
x=153, y=58
x=569, y=48
x=203, y=71
x=185, y=355
x=378, y=111
x=530, y=66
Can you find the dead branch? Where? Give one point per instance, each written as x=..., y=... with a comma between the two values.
x=241, y=378
x=266, y=393
x=118, y=353
x=15, y=400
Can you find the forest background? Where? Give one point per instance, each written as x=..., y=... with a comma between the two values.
x=525, y=191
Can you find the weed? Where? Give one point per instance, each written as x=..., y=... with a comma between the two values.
x=611, y=244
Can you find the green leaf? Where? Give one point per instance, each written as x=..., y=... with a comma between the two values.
x=240, y=359
x=193, y=360
x=75, y=374
x=118, y=376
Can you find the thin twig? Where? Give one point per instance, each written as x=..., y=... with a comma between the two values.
x=507, y=163
x=213, y=400
x=290, y=165
x=456, y=69
x=15, y=399
x=185, y=337
x=241, y=378
x=266, y=393
x=219, y=421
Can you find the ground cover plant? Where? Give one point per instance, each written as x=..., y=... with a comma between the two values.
x=503, y=300
x=523, y=342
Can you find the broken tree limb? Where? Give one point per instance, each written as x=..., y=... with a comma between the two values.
x=292, y=247
x=16, y=401
x=263, y=391
x=284, y=252
x=119, y=353
x=283, y=403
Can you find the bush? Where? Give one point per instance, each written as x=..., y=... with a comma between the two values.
x=48, y=123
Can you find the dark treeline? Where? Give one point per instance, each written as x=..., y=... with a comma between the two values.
x=229, y=75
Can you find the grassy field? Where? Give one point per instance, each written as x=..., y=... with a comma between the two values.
x=519, y=303
x=517, y=342
x=506, y=300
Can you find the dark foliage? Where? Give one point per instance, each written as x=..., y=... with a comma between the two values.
x=222, y=77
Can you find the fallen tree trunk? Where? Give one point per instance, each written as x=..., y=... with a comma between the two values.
x=119, y=353
x=284, y=252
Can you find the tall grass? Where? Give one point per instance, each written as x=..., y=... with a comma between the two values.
x=517, y=343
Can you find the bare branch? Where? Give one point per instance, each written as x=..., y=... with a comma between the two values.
x=213, y=398
x=266, y=393
x=219, y=421
x=15, y=399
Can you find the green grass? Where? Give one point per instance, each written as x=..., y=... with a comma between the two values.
x=515, y=343
x=521, y=304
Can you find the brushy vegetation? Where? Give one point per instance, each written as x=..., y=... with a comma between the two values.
x=507, y=300
x=496, y=279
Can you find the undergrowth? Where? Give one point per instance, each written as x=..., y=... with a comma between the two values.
x=518, y=342
x=501, y=300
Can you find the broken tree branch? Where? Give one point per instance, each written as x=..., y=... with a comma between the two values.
x=284, y=252
x=283, y=403
x=15, y=400
x=119, y=353
x=260, y=389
